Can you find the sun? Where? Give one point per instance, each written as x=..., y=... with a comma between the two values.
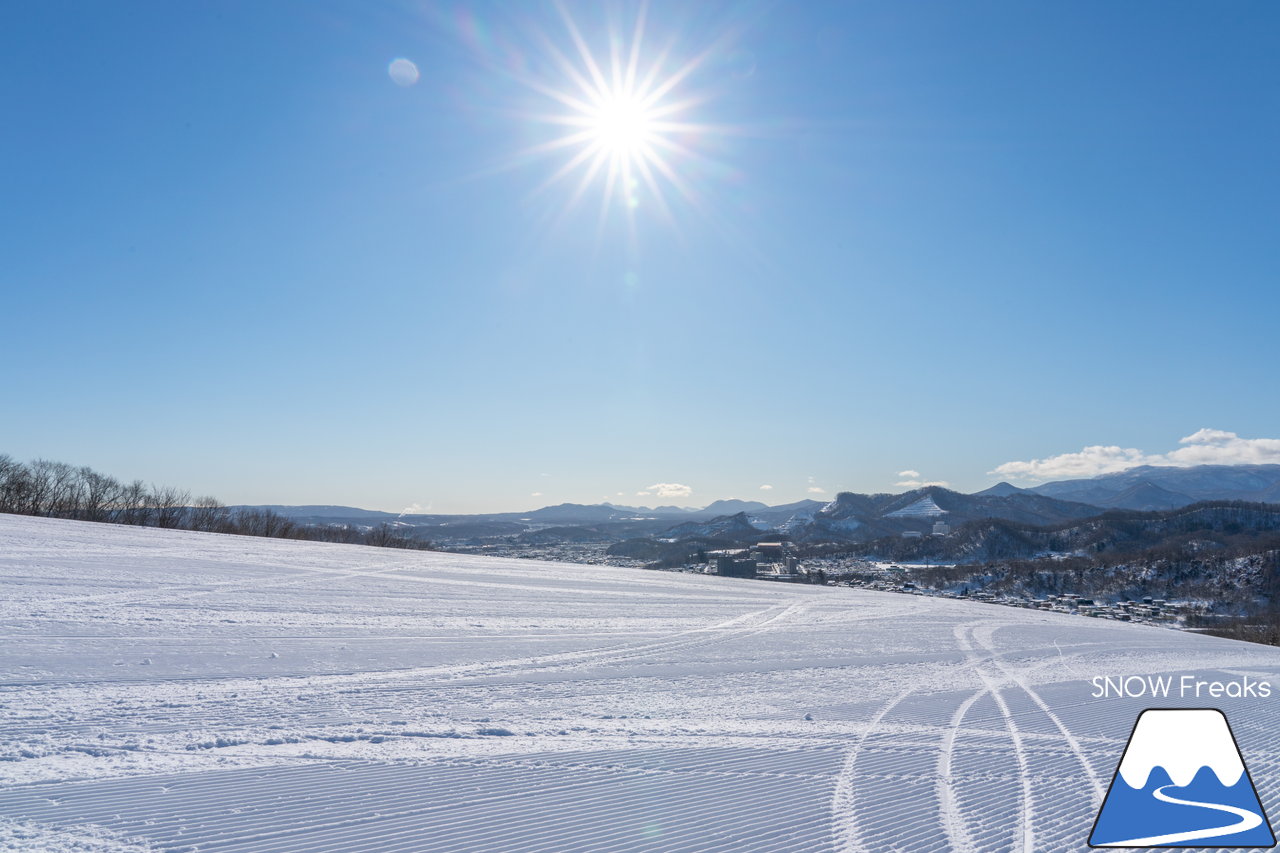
x=623, y=126
x=623, y=119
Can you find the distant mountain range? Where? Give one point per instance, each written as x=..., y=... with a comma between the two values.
x=850, y=517
x=566, y=513
x=856, y=518
x=1149, y=487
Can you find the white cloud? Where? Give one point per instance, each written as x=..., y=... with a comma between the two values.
x=1218, y=447
x=914, y=480
x=1203, y=447
x=766, y=488
x=668, y=490
x=414, y=509
x=920, y=484
x=536, y=495
x=817, y=490
x=1089, y=462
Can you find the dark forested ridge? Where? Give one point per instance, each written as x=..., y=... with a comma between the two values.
x=1205, y=526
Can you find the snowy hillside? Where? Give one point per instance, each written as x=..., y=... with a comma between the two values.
x=184, y=691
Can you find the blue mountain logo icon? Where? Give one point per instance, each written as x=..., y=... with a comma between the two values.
x=1182, y=783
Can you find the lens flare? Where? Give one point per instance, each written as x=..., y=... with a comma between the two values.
x=403, y=72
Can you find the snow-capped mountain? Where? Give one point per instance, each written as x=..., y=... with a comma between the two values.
x=1165, y=487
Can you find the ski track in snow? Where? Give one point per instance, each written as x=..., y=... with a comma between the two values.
x=164, y=690
x=1024, y=836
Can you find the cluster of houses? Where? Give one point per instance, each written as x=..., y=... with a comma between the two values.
x=1147, y=610
x=764, y=560
x=777, y=561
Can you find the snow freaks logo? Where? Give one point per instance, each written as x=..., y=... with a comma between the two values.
x=1185, y=687
x=1181, y=783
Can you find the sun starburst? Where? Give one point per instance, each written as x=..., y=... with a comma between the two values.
x=622, y=121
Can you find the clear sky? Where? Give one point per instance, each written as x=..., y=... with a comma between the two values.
x=248, y=249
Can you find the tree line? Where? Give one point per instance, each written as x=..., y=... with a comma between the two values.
x=58, y=490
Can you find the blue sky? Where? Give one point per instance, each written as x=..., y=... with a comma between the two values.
x=240, y=258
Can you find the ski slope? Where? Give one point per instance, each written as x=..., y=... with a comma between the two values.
x=165, y=690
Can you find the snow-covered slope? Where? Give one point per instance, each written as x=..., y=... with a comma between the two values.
x=197, y=692
x=923, y=508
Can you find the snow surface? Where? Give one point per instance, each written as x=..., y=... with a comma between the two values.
x=164, y=690
x=925, y=507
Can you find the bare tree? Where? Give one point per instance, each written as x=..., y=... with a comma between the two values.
x=14, y=485
x=44, y=487
x=39, y=487
x=134, y=506
x=101, y=495
x=66, y=491
x=209, y=514
x=264, y=522
x=168, y=505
